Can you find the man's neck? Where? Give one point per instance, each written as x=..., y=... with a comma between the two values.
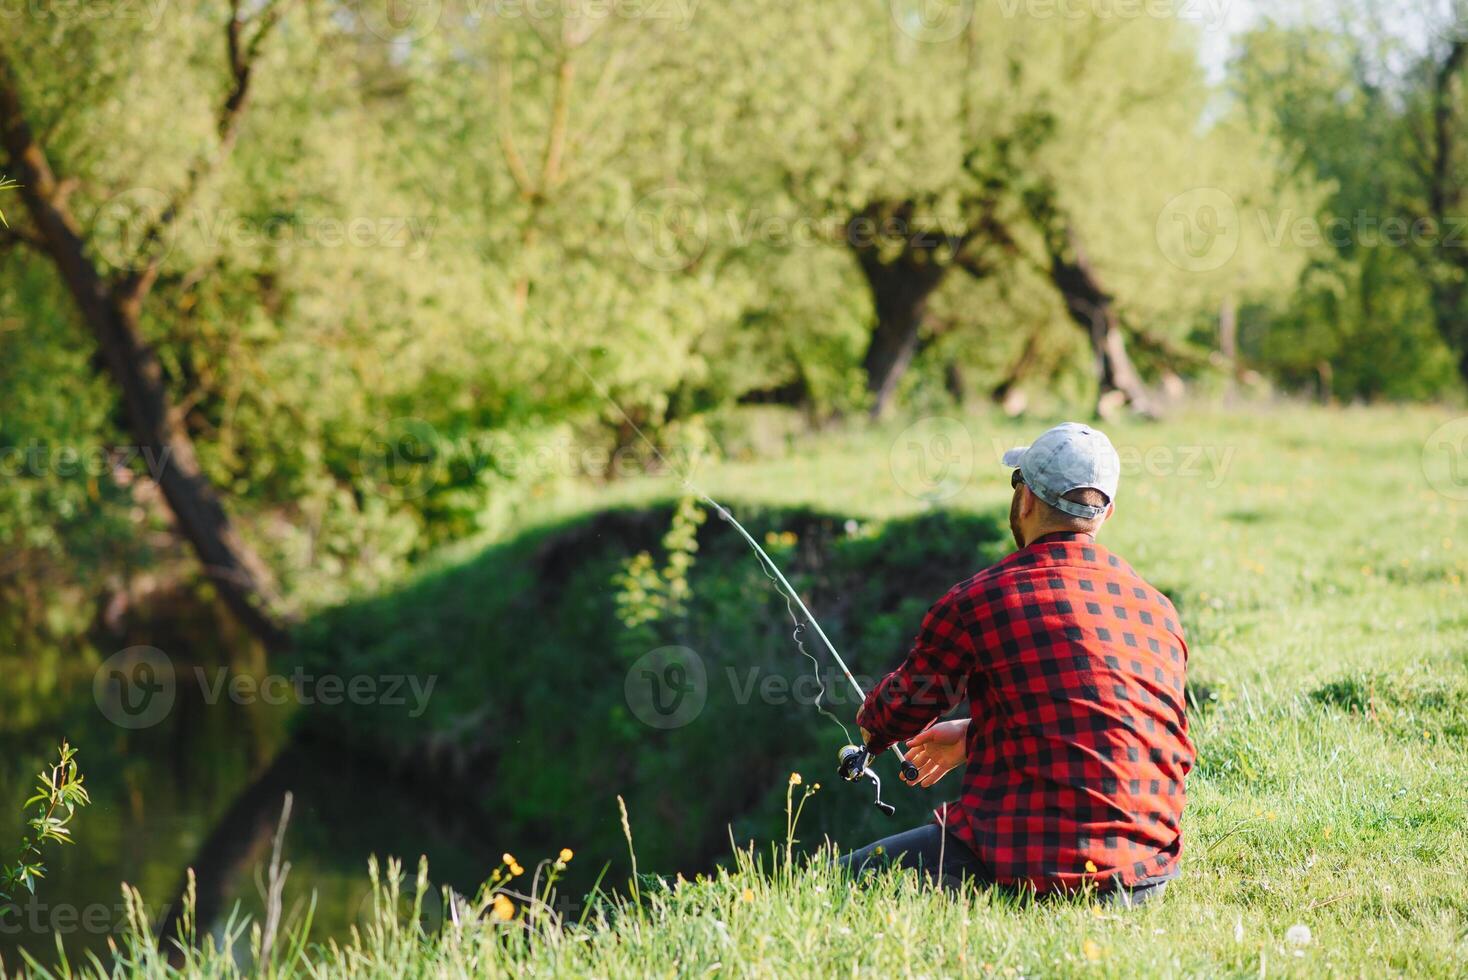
x=1068, y=533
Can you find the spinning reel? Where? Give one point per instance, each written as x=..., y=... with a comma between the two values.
x=854, y=763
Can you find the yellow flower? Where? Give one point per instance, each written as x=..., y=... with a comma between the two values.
x=504, y=909
x=508, y=858
x=1090, y=866
x=516, y=870
x=748, y=895
x=1091, y=949
x=566, y=854
x=1327, y=831
x=795, y=779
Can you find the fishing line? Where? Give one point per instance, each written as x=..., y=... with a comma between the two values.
x=767, y=564
x=764, y=566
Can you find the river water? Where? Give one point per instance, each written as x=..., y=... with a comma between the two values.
x=200, y=785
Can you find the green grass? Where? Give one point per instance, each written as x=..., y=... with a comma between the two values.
x=1320, y=578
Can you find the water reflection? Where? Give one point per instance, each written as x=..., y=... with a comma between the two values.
x=202, y=788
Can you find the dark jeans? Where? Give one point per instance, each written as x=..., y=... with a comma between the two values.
x=947, y=861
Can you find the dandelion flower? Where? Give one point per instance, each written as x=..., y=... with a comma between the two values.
x=748, y=895
x=1092, y=949
x=566, y=855
x=504, y=909
x=1090, y=866
x=1298, y=934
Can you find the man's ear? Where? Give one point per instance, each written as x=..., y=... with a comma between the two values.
x=1110, y=509
x=1027, y=500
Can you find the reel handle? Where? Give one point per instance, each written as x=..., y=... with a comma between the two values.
x=853, y=763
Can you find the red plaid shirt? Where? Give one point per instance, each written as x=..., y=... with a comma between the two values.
x=1078, y=745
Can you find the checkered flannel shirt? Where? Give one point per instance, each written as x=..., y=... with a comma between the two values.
x=1078, y=746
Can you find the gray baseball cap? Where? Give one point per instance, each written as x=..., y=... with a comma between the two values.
x=1066, y=458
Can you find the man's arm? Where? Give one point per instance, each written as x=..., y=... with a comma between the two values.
x=932, y=679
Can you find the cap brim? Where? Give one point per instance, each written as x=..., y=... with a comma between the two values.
x=1012, y=457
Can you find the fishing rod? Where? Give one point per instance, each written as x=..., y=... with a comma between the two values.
x=853, y=762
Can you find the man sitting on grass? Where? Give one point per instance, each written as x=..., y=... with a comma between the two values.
x=1076, y=740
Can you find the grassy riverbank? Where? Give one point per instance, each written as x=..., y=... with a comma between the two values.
x=1317, y=558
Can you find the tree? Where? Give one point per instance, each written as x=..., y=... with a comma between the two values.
x=1372, y=314
x=929, y=149
x=111, y=308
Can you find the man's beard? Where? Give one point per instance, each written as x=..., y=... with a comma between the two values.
x=1019, y=538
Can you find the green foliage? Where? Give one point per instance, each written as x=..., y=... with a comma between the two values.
x=1361, y=322
x=646, y=593
x=59, y=794
x=546, y=611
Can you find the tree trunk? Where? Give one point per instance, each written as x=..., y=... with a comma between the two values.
x=1228, y=344
x=1007, y=393
x=1093, y=310
x=900, y=293
x=1444, y=203
x=111, y=312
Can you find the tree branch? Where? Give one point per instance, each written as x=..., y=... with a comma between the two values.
x=243, y=55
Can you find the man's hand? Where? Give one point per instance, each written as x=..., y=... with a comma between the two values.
x=938, y=750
